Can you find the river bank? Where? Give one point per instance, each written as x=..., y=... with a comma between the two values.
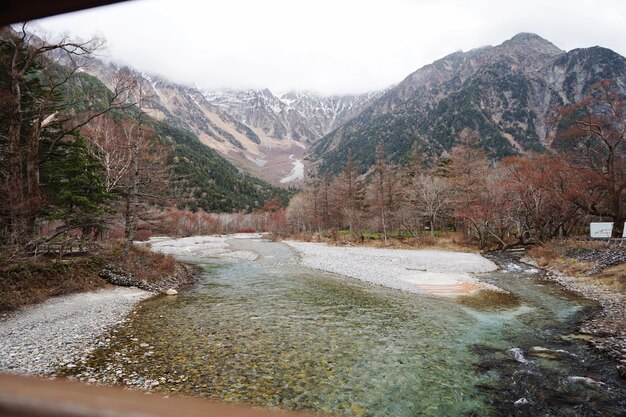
x=63, y=331
x=607, y=329
x=58, y=336
x=275, y=333
x=56, y=313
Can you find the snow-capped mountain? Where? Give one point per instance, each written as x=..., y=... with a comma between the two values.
x=263, y=134
x=509, y=94
x=302, y=116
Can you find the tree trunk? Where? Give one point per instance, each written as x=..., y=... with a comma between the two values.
x=15, y=179
x=618, y=214
x=132, y=202
x=32, y=180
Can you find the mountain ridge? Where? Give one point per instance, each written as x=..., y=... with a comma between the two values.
x=507, y=93
x=259, y=132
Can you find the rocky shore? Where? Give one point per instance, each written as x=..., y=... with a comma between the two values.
x=62, y=332
x=608, y=328
x=183, y=276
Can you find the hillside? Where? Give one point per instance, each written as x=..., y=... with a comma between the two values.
x=202, y=178
x=507, y=93
x=257, y=131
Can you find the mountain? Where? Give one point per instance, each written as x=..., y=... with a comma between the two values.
x=506, y=93
x=257, y=131
x=203, y=178
x=72, y=167
x=301, y=116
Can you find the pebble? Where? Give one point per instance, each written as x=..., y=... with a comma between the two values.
x=62, y=330
x=603, y=258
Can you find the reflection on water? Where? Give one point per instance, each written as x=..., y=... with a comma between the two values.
x=271, y=333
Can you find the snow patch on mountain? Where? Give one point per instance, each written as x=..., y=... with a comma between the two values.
x=297, y=172
x=301, y=116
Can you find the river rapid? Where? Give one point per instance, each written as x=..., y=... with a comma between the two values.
x=272, y=333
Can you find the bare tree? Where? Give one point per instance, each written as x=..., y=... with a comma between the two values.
x=433, y=197
x=147, y=179
x=349, y=189
x=35, y=71
x=106, y=144
x=597, y=138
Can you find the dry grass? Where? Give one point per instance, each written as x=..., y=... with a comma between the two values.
x=552, y=255
x=33, y=281
x=449, y=241
x=613, y=277
x=546, y=254
x=149, y=266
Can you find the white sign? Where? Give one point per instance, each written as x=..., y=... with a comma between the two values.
x=624, y=230
x=601, y=230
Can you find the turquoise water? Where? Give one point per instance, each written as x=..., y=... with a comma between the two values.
x=274, y=334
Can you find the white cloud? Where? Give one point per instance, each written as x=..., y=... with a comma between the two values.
x=330, y=46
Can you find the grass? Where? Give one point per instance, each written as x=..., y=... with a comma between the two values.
x=32, y=282
x=450, y=241
x=149, y=266
x=552, y=256
x=613, y=277
x=35, y=280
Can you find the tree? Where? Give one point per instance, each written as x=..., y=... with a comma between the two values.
x=547, y=194
x=37, y=117
x=298, y=214
x=349, y=189
x=467, y=172
x=106, y=144
x=380, y=190
x=76, y=193
x=146, y=181
x=595, y=141
x=432, y=196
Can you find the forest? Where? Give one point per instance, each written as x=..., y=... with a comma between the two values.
x=518, y=200
x=80, y=162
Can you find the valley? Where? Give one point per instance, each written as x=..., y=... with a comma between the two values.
x=509, y=94
x=420, y=249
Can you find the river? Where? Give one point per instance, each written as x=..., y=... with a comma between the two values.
x=274, y=334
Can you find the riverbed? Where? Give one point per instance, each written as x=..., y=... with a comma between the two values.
x=268, y=331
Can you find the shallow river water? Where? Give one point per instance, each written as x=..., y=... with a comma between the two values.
x=275, y=334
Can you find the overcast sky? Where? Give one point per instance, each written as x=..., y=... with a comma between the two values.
x=328, y=46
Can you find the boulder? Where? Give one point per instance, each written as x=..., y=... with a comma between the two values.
x=521, y=402
x=548, y=353
x=171, y=291
x=585, y=380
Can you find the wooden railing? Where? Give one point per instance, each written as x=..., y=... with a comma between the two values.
x=69, y=247
x=33, y=397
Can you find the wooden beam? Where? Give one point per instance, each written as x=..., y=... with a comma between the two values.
x=34, y=397
x=15, y=11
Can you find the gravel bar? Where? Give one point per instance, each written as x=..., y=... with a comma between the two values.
x=434, y=272
x=63, y=330
x=202, y=246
